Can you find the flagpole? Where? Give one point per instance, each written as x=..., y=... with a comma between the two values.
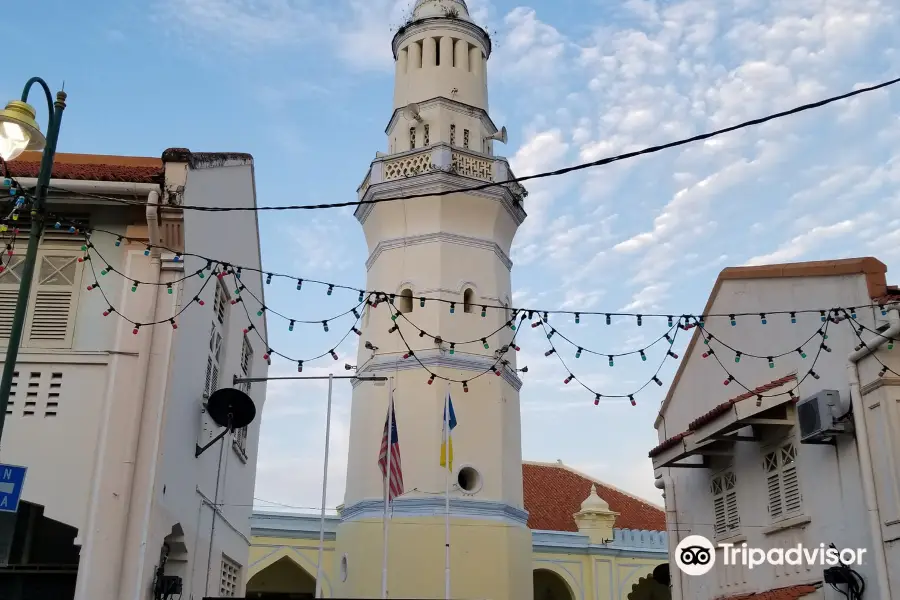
x=319, y=565
x=447, y=494
x=387, y=488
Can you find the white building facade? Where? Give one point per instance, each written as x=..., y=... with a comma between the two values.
x=738, y=462
x=106, y=419
x=456, y=247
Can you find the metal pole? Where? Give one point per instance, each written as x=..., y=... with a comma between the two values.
x=449, y=466
x=324, y=489
x=387, y=490
x=37, y=225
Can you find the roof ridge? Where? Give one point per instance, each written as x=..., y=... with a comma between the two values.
x=565, y=467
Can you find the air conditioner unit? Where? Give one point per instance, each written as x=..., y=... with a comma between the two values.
x=817, y=419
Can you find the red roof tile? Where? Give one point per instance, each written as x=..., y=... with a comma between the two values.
x=553, y=493
x=92, y=167
x=792, y=592
x=718, y=411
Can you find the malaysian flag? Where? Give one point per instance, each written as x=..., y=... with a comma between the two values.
x=396, y=479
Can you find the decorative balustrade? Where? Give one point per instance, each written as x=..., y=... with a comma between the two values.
x=640, y=539
x=407, y=166
x=475, y=167
x=439, y=157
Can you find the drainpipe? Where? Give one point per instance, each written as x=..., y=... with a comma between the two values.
x=146, y=344
x=864, y=452
x=665, y=483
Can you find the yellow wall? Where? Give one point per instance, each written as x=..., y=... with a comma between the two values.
x=588, y=576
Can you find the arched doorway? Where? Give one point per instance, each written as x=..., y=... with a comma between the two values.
x=550, y=586
x=284, y=579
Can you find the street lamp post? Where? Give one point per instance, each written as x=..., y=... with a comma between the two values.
x=20, y=132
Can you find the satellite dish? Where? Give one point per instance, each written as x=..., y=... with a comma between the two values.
x=500, y=136
x=411, y=112
x=230, y=407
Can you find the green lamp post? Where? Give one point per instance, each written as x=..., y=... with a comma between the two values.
x=20, y=132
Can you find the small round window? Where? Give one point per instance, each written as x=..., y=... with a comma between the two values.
x=469, y=479
x=344, y=568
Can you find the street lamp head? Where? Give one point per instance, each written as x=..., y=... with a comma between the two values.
x=19, y=131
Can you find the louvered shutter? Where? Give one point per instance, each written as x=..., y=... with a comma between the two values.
x=10, y=279
x=773, y=484
x=50, y=322
x=790, y=480
x=721, y=517
x=733, y=518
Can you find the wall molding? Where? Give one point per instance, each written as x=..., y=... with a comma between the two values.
x=438, y=358
x=434, y=507
x=455, y=106
x=438, y=181
x=438, y=238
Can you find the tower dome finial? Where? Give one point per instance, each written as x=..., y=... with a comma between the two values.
x=426, y=9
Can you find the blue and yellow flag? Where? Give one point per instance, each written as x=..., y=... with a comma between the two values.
x=446, y=440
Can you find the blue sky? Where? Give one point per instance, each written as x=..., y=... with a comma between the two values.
x=306, y=87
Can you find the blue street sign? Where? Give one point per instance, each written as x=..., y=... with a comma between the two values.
x=12, y=480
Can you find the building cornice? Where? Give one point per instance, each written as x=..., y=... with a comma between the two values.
x=445, y=24
x=436, y=182
x=434, y=507
x=439, y=237
x=467, y=109
x=439, y=358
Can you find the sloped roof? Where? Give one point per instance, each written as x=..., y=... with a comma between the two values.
x=792, y=592
x=92, y=167
x=554, y=493
x=718, y=411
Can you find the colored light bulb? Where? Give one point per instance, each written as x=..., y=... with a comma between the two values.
x=762, y=318
x=466, y=386
x=632, y=400
x=549, y=352
x=118, y=241
x=174, y=325
x=794, y=318
x=568, y=379
x=268, y=278
x=452, y=307
x=325, y=325
x=673, y=355
x=596, y=399
x=643, y=356
x=737, y=357
x=330, y=290
x=291, y=325
x=431, y=379
x=577, y=318
x=733, y=320
x=422, y=302
x=639, y=321
x=299, y=366
x=356, y=331
x=483, y=311
x=608, y=320
x=657, y=380
x=484, y=341
x=452, y=348
x=169, y=288
x=771, y=363
x=334, y=355
x=199, y=301
x=578, y=353
x=611, y=361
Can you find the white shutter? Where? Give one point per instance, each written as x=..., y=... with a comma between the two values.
x=10, y=279
x=733, y=518
x=721, y=521
x=50, y=322
x=725, y=503
x=790, y=480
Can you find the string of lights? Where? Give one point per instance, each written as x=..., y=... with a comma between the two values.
x=578, y=315
x=510, y=324
x=498, y=360
x=545, y=174
x=597, y=395
x=708, y=337
x=857, y=331
x=111, y=310
x=300, y=362
x=760, y=396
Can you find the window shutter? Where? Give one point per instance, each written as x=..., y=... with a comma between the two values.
x=50, y=322
x=790, y=480
x=733, y=519
x=10, y=279
x=721, y=519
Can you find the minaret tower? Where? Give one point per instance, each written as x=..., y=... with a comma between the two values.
x=454, y=247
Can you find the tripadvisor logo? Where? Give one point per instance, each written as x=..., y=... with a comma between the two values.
x=696, y=555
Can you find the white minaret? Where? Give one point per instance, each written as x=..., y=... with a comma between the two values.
x=455, y=247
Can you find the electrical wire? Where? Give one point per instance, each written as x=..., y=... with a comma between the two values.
x=792, y=313
x=554, y=173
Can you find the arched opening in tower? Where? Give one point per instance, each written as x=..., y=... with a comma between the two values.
x=468, y=300
x=405, y=301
